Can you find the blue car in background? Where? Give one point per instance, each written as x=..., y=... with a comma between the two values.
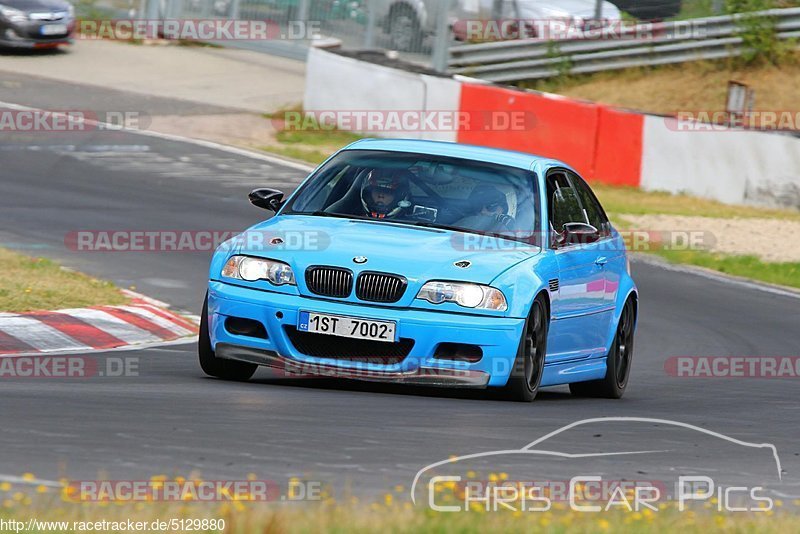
x=428, y=263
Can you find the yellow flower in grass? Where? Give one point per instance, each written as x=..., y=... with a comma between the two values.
x=41, y=488
x=18, y=496
x=603, y=524
x=387, y=499
x=28, y=477
x=8, y=503
x=399, y=488
x=5, y=486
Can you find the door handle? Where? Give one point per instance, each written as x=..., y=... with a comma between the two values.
x=601, y=261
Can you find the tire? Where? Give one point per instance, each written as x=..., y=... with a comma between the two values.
x=526, y=375
x=619, y=360
x=404, y=30
x=217, y=367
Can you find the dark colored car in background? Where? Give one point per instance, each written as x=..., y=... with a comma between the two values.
x=650, y=9
x=36, y=23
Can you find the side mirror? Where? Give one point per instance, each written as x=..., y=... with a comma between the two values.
x=268, y=199
x=578, y=233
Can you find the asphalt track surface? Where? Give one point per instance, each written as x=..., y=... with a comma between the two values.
x=171, y=419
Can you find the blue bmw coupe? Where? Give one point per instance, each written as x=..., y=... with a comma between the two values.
x=428, y=263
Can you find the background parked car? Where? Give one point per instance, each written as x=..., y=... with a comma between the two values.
x=650, y=9
x=36, y=23
x=409, y=22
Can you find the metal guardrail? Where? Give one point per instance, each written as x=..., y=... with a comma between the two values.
x=672, y=42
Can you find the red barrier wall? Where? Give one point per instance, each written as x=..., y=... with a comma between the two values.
x=602, y=143
x=618, y=153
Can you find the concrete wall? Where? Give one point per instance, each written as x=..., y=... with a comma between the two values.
x=338, y=83
x=733, y=166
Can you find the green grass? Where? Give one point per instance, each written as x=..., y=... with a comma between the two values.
x=28, y=284
x=633, y=201
x=314, y=144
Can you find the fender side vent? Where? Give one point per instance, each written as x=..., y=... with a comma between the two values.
x=553, y=285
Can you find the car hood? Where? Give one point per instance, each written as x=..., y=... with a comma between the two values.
x=419, y=254
x=37, y=5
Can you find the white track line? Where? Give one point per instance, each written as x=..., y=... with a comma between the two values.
x=34, y=482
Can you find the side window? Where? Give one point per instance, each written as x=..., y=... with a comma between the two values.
x=594, y=212
x=563, y=204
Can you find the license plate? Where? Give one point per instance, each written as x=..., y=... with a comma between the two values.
x=54, y=29
x=352, y=327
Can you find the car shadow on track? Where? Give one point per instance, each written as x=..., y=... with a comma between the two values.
x=32, y=52
x=401, y=389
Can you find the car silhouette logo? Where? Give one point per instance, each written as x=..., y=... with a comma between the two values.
x=463, y=264
x=360, y=259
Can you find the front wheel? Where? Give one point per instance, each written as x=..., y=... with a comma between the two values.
x=523, y=384
x=217, y=367
x=618, y=362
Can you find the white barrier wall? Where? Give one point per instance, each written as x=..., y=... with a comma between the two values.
x=732, y=166
x=343, y=84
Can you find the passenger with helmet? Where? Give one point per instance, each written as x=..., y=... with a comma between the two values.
x=489, y=207
x=386, y=193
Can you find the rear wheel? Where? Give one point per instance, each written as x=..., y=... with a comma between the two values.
x=217, y=367
x=523, y=384
x=618, y=362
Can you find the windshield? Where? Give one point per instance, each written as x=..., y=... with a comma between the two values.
x=424, y=190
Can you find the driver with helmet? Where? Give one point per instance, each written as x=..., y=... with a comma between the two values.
x=386, y=193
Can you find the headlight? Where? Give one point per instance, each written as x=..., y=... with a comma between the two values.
x=253, y=269
x=13, y=15
x=464, y=294
x=71, y=11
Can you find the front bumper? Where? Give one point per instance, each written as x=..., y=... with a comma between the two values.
x=28, y=35
x=498, y=338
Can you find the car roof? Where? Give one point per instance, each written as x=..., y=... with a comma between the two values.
x=438, y=148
